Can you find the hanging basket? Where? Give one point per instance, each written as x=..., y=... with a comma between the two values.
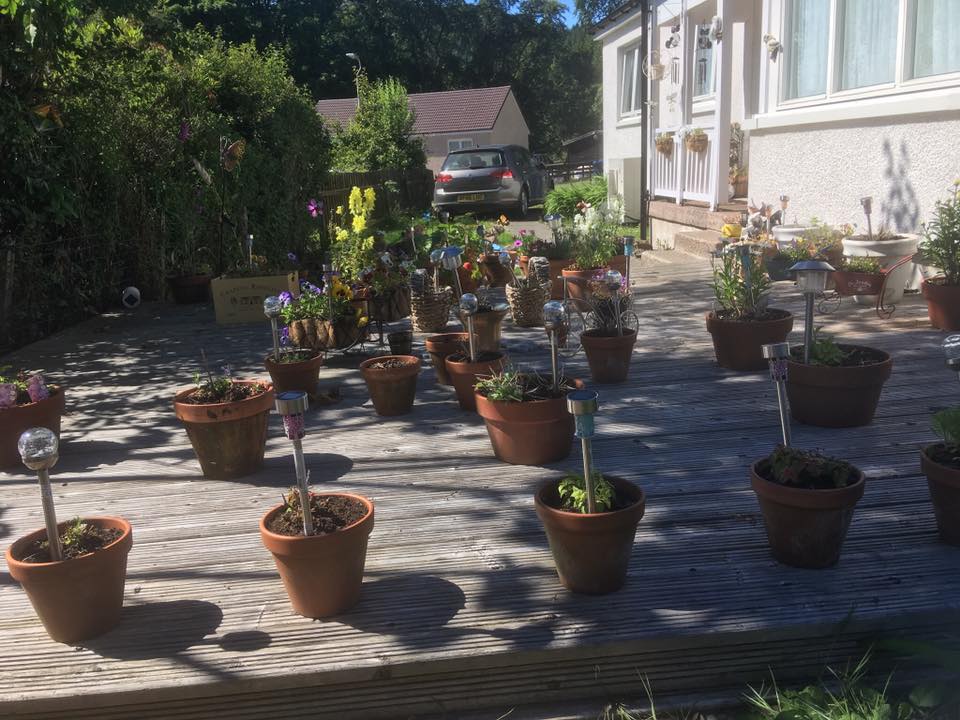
x=526, y=304
x=696, y=143
x=390, y=306
x=320, y=334
x=665, y=145
x=430, y=310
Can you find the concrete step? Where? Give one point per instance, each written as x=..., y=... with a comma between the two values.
x=701, y=243
x=653, y=258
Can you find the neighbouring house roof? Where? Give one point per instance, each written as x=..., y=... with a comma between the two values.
x=449, y=111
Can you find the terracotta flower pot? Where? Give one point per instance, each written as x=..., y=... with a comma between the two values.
x=187, y=289
x=943, y=304
x=80, y=598
x=738, y=343
x=806, y=528
x=591, y=551
x=576, y=281
x=836, y=396
x=608, y=355
x=944, y=483
x=439, y=346
x=301, y=375
x=401, y=342
x=487, y=326
x=228, y=438
x=392, y=389
x=496, y=273
x=14, y=420
x=463, y=374
x=535, y=432
x=322, y=574
x=556, y=274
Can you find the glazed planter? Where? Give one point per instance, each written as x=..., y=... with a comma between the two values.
x=393, y=389
x=556, y=277
x=228, y=438
x=439, y=347
x=591, y=550
x=301, y=375
x=14, y=420
x=806, y=528
x=187, y=289
x=80, y=598
x=534, y=432
x=322, y=574
x=738, y=343
x=464, y=374
x=608, y=355
x=943, y=304
x=836, y=396
x=467, y=283
x=486, y=326
x=857, y=283
x=944, y=484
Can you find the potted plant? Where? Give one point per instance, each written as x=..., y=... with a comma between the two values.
x=76, y=583
x=26, y=401
x=594, y=247
x=464, y=372
x=940, y=462
x=695, y=140
x=886, y=249
x=238, y=294
x=841, y=385
x=941, y=248
x=858, y=276
x=392, y=382
x=526, y=296
x=293, y=368
x=591, y=550
x=607, y=343
x=441, y=346
x=664, y=143
x=487, y=322
x=226, y=421
x=189, y=278
x=742, y=323
x=324, y=321
x=807, y=501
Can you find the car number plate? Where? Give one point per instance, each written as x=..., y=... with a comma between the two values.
x=471, y=197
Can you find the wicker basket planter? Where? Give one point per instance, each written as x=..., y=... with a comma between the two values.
x=526, y=304
x=391, y=306
x=664, y=144
x=430, y=310
x=325, y=335
x=695, y=143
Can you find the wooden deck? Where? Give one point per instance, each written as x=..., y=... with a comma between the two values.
x=462, y=615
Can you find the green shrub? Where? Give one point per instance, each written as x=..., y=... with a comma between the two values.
x=563, y=199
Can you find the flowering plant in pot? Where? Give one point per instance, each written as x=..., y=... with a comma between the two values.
x=26, y=401
x=324, y=320
x=290, y=367
x=611, y=333
x=73, y=572
x=858, y=275
x=594, y=247
x=940, y=247
x=940, y=462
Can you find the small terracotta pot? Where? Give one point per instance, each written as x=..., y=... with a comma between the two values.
x=806, y=528
x=228, y=438
x=591, y=551
x=392, y=390
x=944, y=484
x=322, y=574
x=576, y=281
x=75, y=599
x=738, y=343
x=486, y=326
x=836, y=396
x=14, y=420
x=608, y=355
x=302, y=375
x=187, y=289
x=463, y=374
x=439, y=346
x=943, y=304
x=556, y=274
x=528, y=433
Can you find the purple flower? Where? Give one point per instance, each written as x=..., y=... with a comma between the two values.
x=315, y=207
x=227, y=371
x=285, y=298
x=517, y=243
x=8, y=395
x=292, y=257
x=285, y=335
x=184, y=133
x=37, y=388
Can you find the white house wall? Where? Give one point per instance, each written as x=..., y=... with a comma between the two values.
x=511, y=128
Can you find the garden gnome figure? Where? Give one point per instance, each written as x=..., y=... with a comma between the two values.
x=291, y=406
x=39, y=450
x=582, y=404
x=778, y=355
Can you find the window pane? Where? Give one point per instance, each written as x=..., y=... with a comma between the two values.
x=936, y=48
x=703, y=63
x=867, y=42
x=626, y=81
x=805, y=49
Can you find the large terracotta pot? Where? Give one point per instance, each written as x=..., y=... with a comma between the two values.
x=463, y=374
x=188, y=289
x=14, y=420
x=943, y=305
x=486, y=327
x=608, y=355
x=322, y=574
x=535, y=432
x=836, y=396
x=439, y=347
x=302, y=375
x=577, y=279
x=944, y=484
x=392, y=390
x=75, y=599
x=738, y=343
x=806, y=528
x=228, y=438
x=556, y=274
x=591, y=551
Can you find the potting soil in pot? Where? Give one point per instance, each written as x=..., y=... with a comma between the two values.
x=853, y=356
x=946, y=455
x=206, y=395
x=388, y=364
x=330, y=513
x=806, y=470
x=76, y=539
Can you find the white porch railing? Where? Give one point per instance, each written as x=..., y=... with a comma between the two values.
x=682, y=174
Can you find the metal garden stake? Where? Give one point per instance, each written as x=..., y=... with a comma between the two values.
x=951, y=348
x=272, y=308
x=582, y=404
x=628, y=252
x=614, y=281
x=328, y=288
x=468, y=306
x=39, y=450
x=291, y=405
x=778, y=355
x=553, y=322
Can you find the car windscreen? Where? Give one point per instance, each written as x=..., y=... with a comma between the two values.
x=473, y=160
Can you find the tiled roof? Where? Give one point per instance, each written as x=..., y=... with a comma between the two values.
x=437, y=112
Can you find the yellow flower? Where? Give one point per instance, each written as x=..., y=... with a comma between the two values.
x=355, y=201
x=369, y=198
x=504, y=220
x=359, y=223
x=362, y=322
x=339, y=209
x=342, y=234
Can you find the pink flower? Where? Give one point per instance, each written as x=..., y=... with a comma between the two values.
x=315, y=207
x=37, y=388
x=518, y=243
x=8, y=395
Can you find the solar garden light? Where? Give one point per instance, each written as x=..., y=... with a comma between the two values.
x=39, y=450
x=553, y=322
x=628, y=252
x=951, y=348
x=555, y=222
x=250, y=250
x=811, y=279
x=867, y=204
x=291, y=405
x=450, y=260
x=468, y=306
x=784, y=204
x=778, y=355
x=272, y=308
x=613, y=280
x=582, y=404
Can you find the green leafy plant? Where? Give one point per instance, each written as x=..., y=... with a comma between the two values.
x=806, y=469
x=946, y=424
x=502, y=387
x=563, y=199
x=941, y=236
x=739, y=286
x=824, y=351
x=573, y=493
x=74, y=534
x=861, y=265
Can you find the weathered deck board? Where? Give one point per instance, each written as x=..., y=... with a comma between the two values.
x=461, y=608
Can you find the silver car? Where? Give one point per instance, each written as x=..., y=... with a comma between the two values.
x=503, y=177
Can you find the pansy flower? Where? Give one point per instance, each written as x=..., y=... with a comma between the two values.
x=37, y=388
x=8, y=395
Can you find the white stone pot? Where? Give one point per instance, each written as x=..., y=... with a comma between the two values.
x=905, y=277
x=787, y=235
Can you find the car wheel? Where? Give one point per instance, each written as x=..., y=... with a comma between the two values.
x=523, y=205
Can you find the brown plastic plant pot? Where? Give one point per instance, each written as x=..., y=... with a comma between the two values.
x=944, y=484
x=188, y=289
x=534, y=432
x=80, y=598
x=464, y=374
x=439, y=347
x=228, y=438
x=591, y=551
x=608, y=355
x=322, y=574
x=302, y=375
x=806, y=528
x=392, y=390
x=826, y=396
x=14, y=420
x=943, y=304
x=487, y=326
x=738, y=344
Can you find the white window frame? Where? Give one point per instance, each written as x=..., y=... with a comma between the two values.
x=637, y=74
x=712, y=80
x=459, y=144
